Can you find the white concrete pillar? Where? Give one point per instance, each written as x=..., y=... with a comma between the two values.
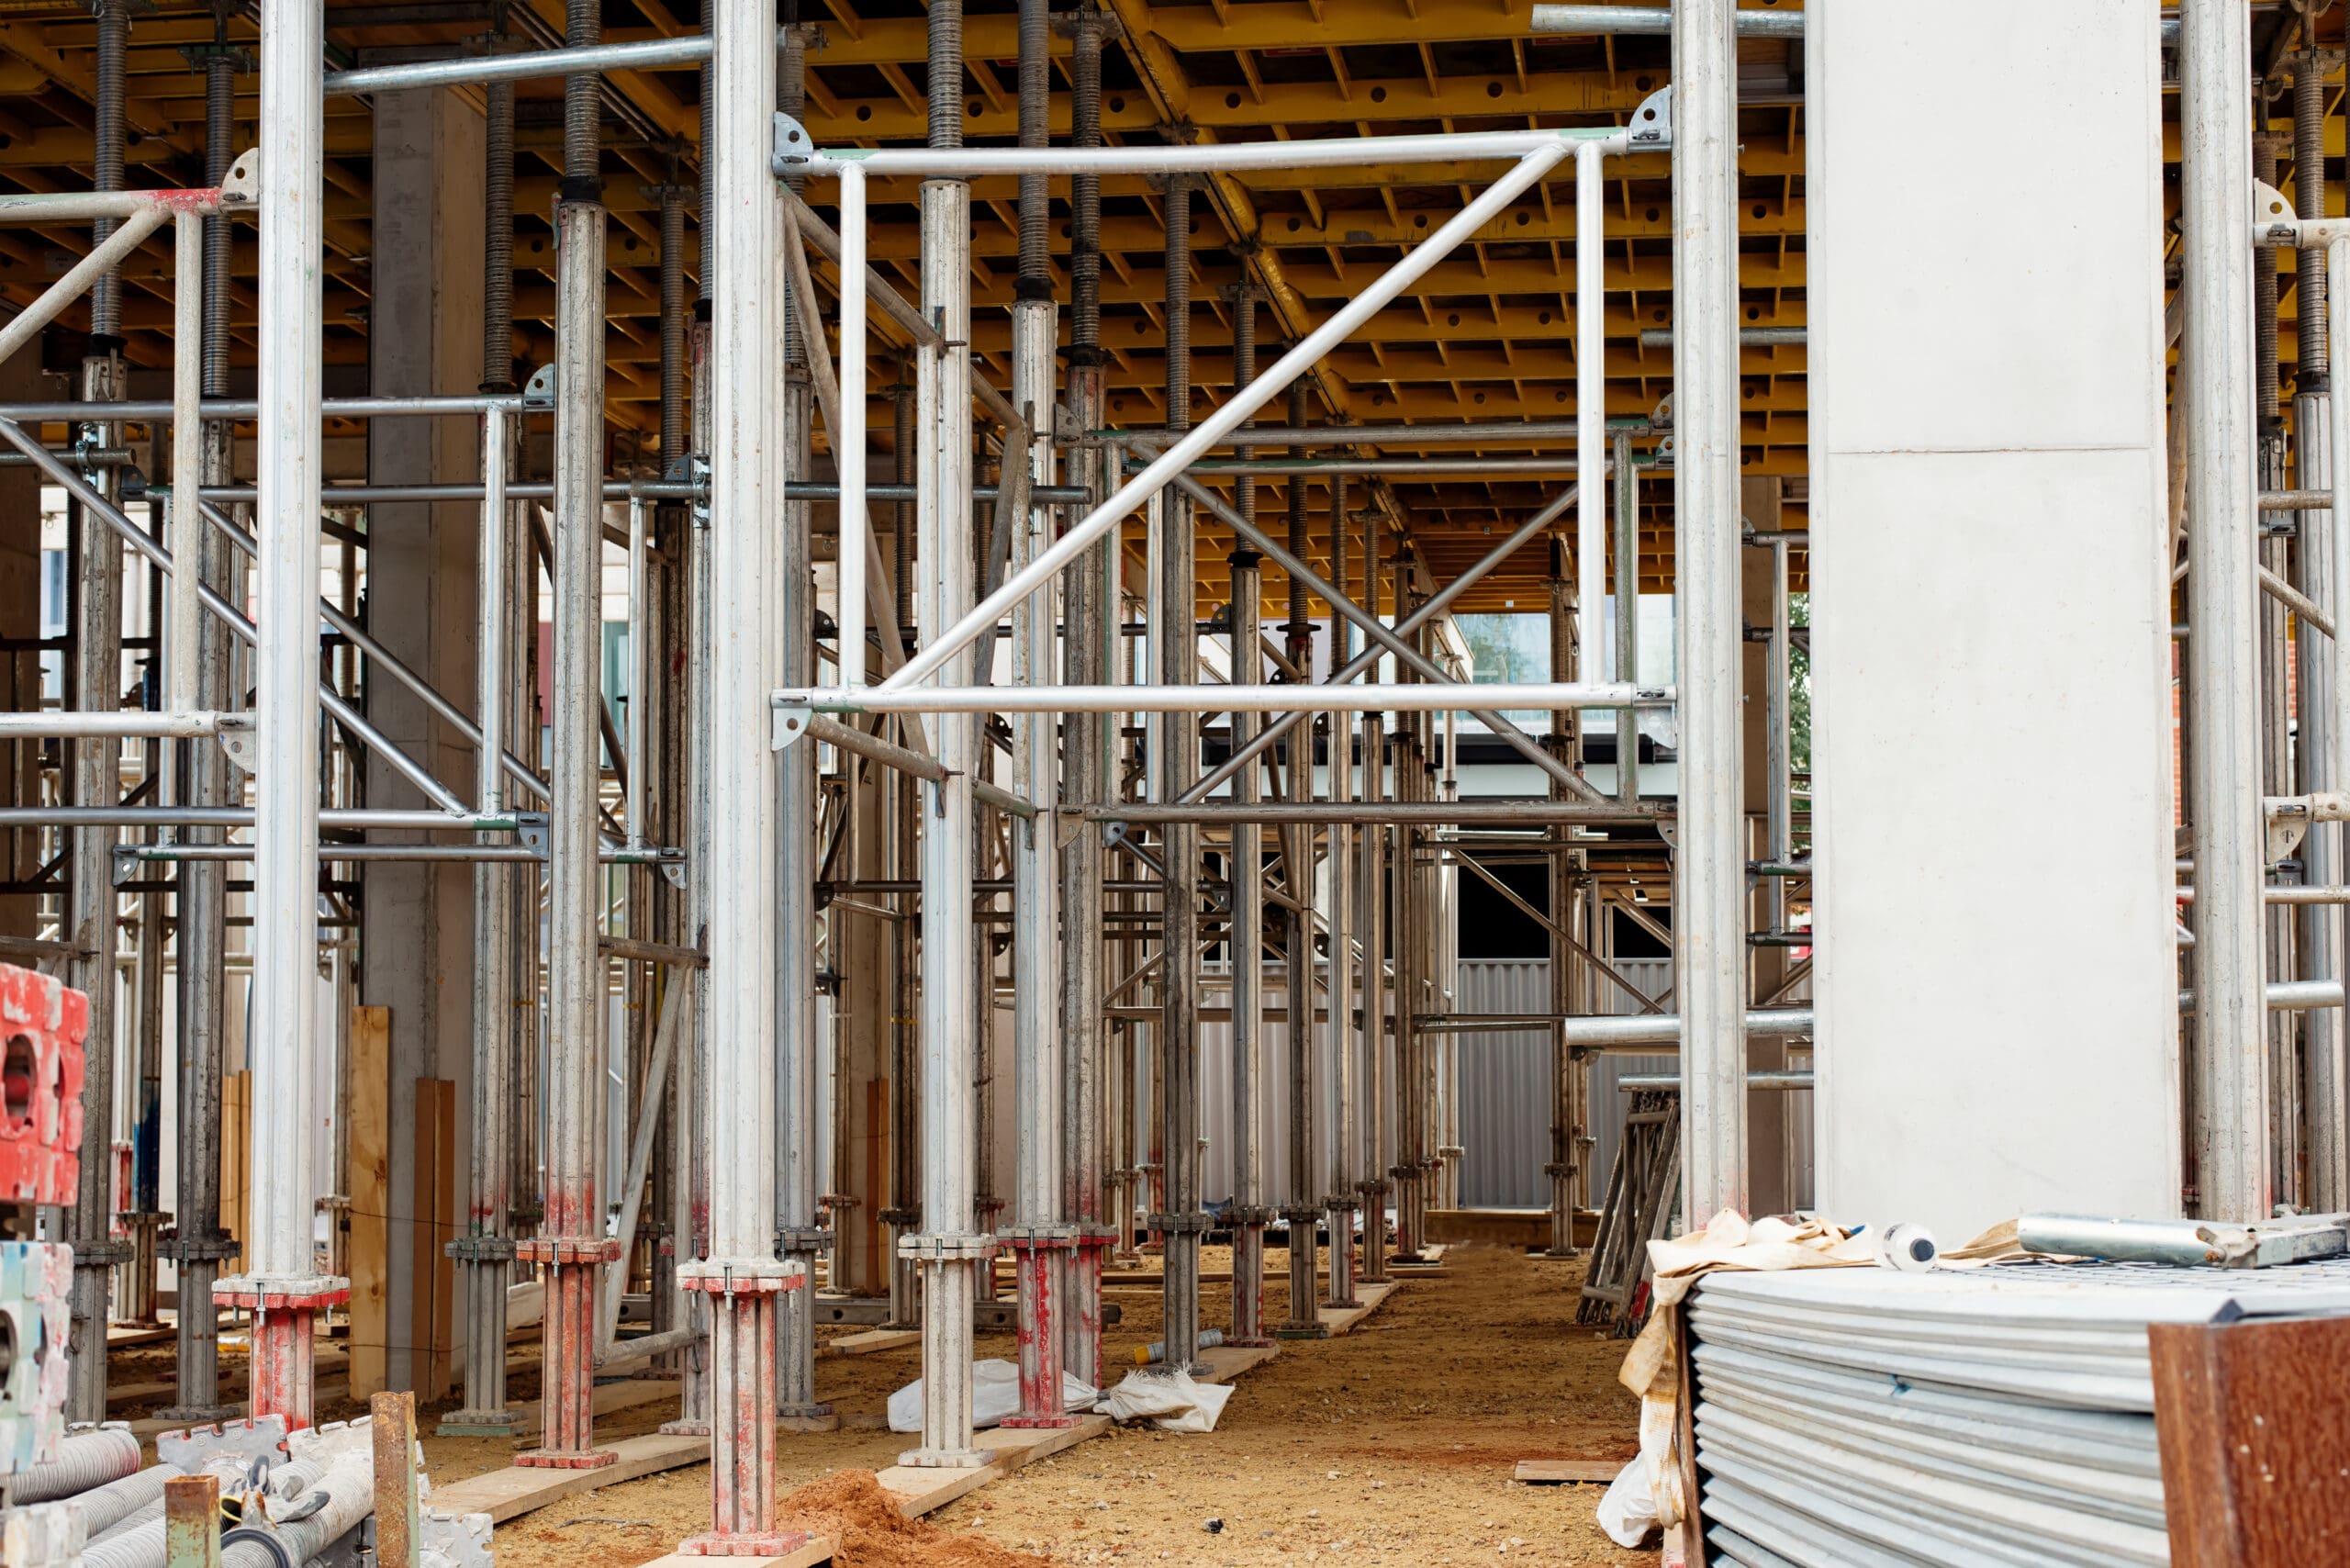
x=1990, y=613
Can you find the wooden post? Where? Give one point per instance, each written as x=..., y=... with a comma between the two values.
x=398, y=1518
x=2255, y=1440
x=368, y=1181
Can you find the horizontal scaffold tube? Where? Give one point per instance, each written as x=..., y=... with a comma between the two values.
x=1284, y=698
x=129, y=724
x=1415, y=813
x=1201, y=158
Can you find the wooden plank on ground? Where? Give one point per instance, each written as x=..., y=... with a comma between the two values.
x=1342, y=1319
x=818, y=1550
x=1224, y=1362
x=609, y=1398
x=1570, y=1472
x=921, y=1492
x=514, y=1491
x=118, y=1337
x=873, y=1340
x=368, y=1181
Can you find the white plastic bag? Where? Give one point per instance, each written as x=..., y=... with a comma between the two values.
x=1645, y=1494
x=995, y=1396
x=1172, y=1400
x=1627, y=1511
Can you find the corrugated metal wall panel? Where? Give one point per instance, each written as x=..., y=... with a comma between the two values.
x=1504, y=1087
x=1505, y=1084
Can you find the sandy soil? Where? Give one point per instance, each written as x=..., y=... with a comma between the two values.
x=1394, y=1445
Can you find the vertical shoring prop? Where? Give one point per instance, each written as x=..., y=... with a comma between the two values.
x=1564, y=1068
x=1340, y=1197
x=1039, y=1237
x=485, y=1253
x=1088, y=606
x=2227, y=1036
x=281, y=1285
x=1709, y=866
x=2274, y=682
x=196, y=1246
x=2322, y=934
x=96, y=630
x=676, y=542
x=690, y=1126
x=1249, y=1214
x=571, y=1247
x=1247, y=877
x=901, y=807
x=799, y=1236
x=742, y=261
x=1302, y=1212
x=1184, y=1219
x=950, y=1249
x=1373, y=880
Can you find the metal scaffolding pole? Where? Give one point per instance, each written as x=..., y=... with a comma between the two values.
x=1089, y=743
x=1566, y=1071
x=2327, y=1107
x=1339, y=1198
x=1303, y=1210
x=1184, y=1219
x=97, y=673
x=1039, y=1235
x=571, y=1247
x=949, y=1249
x=901, y=806
x=281, y=1284
x=485, y=1251
x=742, y=260
x=688, y=1109
x=196, y=1246
x=1249, y=1215
x=799, y=1236
x=2228, y=1037
x=1709, y=865
x=1372, y=877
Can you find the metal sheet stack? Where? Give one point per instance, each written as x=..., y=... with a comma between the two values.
x=1998, y=1415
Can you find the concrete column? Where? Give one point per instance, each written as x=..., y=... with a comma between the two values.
x=424, y=336
x=1990, y=626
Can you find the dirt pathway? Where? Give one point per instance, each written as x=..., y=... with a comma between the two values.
x=1393, y=1446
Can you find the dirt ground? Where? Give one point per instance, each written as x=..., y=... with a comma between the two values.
x=1392, y=1445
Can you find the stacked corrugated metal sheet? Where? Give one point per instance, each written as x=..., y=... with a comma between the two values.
x=2000, y=1416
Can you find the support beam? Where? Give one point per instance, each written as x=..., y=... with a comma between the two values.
x=1710, y=870
x=2227, y=1040
x=949, y=1247
x=738, y=1268
x=282, y=1285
